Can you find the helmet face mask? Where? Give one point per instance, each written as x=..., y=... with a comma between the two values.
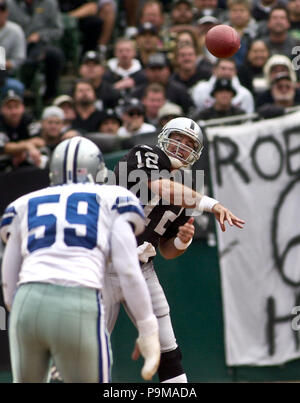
x=77, y=160
x=180, y=154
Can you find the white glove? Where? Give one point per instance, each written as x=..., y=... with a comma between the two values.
x=145, y=251
x=148, y=345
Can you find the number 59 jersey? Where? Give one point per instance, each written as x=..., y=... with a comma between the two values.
x=65, y=231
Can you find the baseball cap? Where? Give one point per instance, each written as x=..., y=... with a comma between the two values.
x=170, y=109
x=91, y=56
x=11, y=95
x=61, y=99
x=133, y=104
x=53, y=111
x=111, y=114
x=223, y=84
x=3, y=5
x=157, y=60
x=188, y=2
x=208, y=19
x=147, y=27
x=280, y=76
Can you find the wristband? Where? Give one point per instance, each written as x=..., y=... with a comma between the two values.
x=147, y=326
x=206, y=204
x=181, y=245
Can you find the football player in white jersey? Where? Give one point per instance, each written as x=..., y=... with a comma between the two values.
x=60, y=240
x=168, y=226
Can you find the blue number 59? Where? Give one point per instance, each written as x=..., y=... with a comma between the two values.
x=48, y=221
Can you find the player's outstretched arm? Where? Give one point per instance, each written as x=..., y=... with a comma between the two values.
x=179, y=194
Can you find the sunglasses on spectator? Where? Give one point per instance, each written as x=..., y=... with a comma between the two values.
x=135, y=113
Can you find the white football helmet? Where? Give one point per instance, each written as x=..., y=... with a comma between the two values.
x=77, y=160
x=188, y=128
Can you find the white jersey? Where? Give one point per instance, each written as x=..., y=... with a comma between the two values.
x=55, y=223
x=203, y=99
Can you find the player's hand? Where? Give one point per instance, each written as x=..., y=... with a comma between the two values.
x=222, y=215
x=186, y=232
x=149, y=347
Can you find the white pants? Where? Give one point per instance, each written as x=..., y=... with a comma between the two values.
x=113, y=297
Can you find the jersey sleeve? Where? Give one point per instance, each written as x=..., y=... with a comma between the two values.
x=6, y=222
x=127, y=206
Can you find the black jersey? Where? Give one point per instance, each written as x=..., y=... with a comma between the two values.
x=144, y=163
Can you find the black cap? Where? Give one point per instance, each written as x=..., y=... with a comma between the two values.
x=3, y=5
x=91, y=56
x=147, y=27
x=223, y=84
x=280, y=76
x=133, y=104
x=11, y=95
x=188, y=2
x=157, y=60
x=111, y=114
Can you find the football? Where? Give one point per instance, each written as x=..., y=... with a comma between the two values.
x=222, y=41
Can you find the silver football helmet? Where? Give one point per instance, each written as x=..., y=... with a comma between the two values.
x=188, y=128
x=77, y=160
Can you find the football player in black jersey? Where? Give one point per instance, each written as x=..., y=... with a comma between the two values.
x=144, y=171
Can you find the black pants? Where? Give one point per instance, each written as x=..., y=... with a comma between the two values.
x=90, y=28
x=51, y=59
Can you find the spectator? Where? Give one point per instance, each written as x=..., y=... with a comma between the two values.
x=95, y=21
x=52, y=128
x=225, y=68
x=133, y=120
x=282, y=92
x=206, y=8
x=189, y=69
x=167, y=112
x=148, y=42
x=223, y=92
x=124, y=70
x=107, y=13
x=182, y=16
x=92, y=69
x=88, y=117
x=279, y=40
x=204, y=24
x=240, y=19
x=293, y=7
x=276, y=64
x=154, y=98
x=111, y=122
x=251, y=72
x=12, y=39
x=18, y=135
x=42, y=24
x=158, y=70
x=152, y=11
x=261, y=9
x=66, y=103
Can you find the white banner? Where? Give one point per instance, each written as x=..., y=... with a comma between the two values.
x=255, y=170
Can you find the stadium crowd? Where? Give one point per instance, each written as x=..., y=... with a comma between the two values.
x=118, y=70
